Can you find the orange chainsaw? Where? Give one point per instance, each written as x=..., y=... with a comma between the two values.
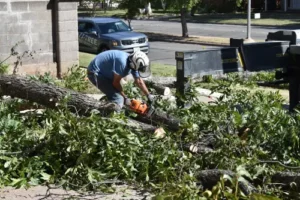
x=140, y=107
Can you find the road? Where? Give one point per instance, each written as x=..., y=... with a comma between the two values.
x=202, y=29
x=164, y=52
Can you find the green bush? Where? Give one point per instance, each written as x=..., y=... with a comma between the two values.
x=230, y=6
x=4, y=68
x=227, y=6
x=75, y=79
x=46, y=78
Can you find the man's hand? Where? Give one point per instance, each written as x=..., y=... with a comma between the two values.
x=127, y=101
x=140, y=83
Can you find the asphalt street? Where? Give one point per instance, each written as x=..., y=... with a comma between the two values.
x=203, y=29
x=164, y=52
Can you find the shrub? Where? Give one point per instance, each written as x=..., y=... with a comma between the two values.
x=76, y=79
x=4, y=68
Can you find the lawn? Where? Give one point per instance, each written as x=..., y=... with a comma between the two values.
x=158, y=69
x=267, y=19
x=102, y=13
x=120, y=13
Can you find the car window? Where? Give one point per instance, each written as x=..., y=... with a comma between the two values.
x=121, y=26
x=86, y=27
x=113, y=27
x=81, y=26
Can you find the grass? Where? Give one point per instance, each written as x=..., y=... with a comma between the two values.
x=85, y=58
x=121, y=13
x=102, y=13
x=267, y=19
x=157, y=69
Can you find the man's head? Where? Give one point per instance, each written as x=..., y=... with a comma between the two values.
x=140, y=62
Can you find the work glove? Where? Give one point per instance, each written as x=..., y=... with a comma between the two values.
x=127, y=101
x=150, y=98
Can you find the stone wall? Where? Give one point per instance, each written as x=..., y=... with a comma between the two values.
x=30, y=22
x=68, y=31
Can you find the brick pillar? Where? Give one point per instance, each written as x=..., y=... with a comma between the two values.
x=68, y=33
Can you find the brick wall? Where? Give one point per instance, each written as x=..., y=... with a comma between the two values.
x=30, y=22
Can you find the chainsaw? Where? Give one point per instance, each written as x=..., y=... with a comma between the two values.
x=141, y=107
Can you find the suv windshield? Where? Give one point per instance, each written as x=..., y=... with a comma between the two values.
x=113, y=27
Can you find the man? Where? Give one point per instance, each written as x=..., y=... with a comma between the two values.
x=108, y=68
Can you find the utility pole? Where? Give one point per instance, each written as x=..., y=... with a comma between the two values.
x=249, y=21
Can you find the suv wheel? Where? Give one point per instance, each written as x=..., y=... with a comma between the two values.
x=103, y=48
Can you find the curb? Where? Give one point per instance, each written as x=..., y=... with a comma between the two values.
x=188, y=42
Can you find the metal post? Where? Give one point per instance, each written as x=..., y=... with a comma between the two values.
x=249, y=21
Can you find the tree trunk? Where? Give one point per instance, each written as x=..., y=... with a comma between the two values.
x=160, y=89
x=104, y=6
x=160, y=118
x=183, y=12
x=193, y=10
x=286, y=179
x=209, y=178
x=129, y=23
x=50, y=96
x=163, y=4
x=165, y=81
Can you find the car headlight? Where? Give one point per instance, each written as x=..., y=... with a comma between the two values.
x=114, y=43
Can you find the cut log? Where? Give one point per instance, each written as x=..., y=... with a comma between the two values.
x=208, y=93
x=164, y=81
x=209, y=178
x=286, y=179
x=160, y=89
x=160, y=118
x=51, y=96
x=197, y=149
x=204, y=145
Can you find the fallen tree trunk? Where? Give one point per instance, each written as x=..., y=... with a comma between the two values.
x=160, y=89
x=160, y=118
x=51, y=96
x=164, y=81
x=204, y=145
x=286, y=179
x=209, y=178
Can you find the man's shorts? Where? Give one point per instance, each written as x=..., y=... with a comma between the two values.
x=105, y=85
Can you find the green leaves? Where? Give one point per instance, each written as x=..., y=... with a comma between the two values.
x=87, y=152
x=262, y=197
x=75, y=79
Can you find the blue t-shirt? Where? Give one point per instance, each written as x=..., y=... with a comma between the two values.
x=109, y=62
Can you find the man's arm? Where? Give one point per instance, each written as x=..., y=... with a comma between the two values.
x=117, y=84
x=141, y=84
